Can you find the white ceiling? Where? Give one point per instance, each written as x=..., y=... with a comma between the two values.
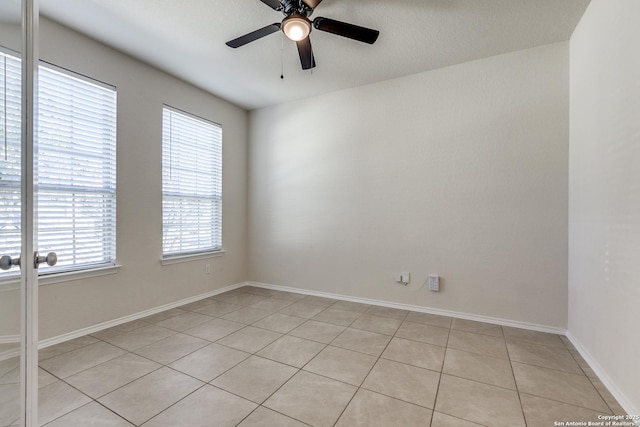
x=187, y=38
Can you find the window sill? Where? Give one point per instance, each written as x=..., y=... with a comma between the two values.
x=68, y=276
x=13, y=282
x=192, y=257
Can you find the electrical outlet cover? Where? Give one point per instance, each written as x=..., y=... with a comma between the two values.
x=434, y=283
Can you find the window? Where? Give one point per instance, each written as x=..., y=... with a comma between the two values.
x=76, y=169
x=191, y=184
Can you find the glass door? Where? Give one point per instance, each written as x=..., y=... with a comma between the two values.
x=18, y=261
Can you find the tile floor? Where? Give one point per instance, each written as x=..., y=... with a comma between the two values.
x=258, y=357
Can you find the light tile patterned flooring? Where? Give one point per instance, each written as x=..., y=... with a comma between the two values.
x=258, y=357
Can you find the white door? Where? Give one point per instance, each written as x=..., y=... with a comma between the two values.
x=18, y=264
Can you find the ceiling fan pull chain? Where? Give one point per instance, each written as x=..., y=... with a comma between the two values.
x=282, y=58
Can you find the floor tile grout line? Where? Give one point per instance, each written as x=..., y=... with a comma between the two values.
x=515, y=381
x=92, y=399
x=506, y=339
x=173, y=404
x=462, y=419
x=80, y=391
x=248, y=415
x=131, y=350
x=579, y=365
x=67, y=352
x=444, y=359
x=66, y=413
x=285, y=415
x=156, y=342
x=561, y=402
x=90, y=367
x=120, y=333
x=114, y=412
x=167, y=364
x=245, y=327
x=136, y=379
x=613, y=412
x=396, y=398
x=551, y=369
x=546, y=367
x=104, y=394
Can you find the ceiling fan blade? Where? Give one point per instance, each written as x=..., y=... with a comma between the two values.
x=273, y=4
x=355, y=32
x=306, y=54
x=312, y=3
x=253, y=36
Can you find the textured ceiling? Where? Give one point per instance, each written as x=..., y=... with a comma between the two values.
x=187, y=38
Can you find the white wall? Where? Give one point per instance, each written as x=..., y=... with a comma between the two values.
x=142, y=282
x=604, y=211
x=460, y=172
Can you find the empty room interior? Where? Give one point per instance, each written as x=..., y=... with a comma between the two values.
x=319, y=213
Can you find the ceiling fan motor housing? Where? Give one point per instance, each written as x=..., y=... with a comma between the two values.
x=295, y=7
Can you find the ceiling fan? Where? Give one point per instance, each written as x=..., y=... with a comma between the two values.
x=297, y=26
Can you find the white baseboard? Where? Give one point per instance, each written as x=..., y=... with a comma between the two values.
x=622, y=399
x=13, y=350
x=111, y=323
x=421, y=309
x=9, y=339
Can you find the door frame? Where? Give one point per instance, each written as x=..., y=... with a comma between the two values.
x=28, y=273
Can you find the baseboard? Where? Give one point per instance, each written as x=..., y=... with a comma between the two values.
x=13, y=351
x=421, y=309
x=9, y=339
x=111, y=323
x=5, y=355
x=622, y=399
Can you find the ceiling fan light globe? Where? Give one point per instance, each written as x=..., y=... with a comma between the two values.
x=296, y=32
x=296, y=28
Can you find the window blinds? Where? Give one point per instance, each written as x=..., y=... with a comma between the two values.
x=75, y=170
x=191, y=184
x=10, y=171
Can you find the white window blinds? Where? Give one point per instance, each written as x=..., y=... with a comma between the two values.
x=191, y=184
x=10, y=135
x=75, y=170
